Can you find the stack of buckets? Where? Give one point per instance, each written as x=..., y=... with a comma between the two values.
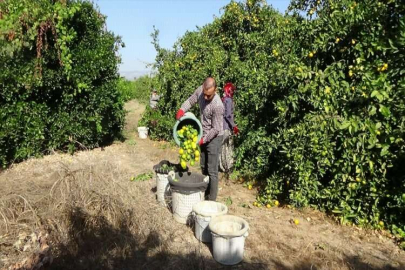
x=226, y=232
x=212, y=224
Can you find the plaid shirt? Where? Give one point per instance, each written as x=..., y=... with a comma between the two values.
x=212, y=114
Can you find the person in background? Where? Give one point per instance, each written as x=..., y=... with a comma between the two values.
x=226, y=156
x=154, y=98
x=212, y=115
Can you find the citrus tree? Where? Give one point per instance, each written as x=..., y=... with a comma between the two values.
x=139, y=89
x=319, y=101
x=58, y=78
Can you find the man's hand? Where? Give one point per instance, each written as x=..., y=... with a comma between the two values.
x=201, y=142
x=180, y=114
x=235, y=130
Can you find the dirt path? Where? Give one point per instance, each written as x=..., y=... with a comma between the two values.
x=98, y=219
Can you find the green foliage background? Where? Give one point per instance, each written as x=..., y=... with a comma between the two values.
x=58, y=78
x=139, y=89
x=320, y=101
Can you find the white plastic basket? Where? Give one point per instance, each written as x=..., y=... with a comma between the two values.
x=162, y=189
x=182, y=205
x=204, y=211
x=143, y=132
x=228, y=238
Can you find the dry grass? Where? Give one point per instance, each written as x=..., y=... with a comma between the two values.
x=97, y=219
x=94, y=218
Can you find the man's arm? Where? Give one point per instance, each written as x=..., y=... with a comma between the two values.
x=191, y=100
x=217, y=124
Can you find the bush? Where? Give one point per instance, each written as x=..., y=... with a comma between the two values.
x=160, y=125
x=58, y=77
x=319, y=101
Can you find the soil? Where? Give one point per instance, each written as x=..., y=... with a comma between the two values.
x=97, y=218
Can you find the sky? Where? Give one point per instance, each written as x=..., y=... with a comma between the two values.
x=133, y=20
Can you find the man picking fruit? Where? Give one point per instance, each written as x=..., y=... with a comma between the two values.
x=212, y=115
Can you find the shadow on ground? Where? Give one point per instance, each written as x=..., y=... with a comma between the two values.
x=93, y=243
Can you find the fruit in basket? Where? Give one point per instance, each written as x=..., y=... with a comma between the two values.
x=189, y=150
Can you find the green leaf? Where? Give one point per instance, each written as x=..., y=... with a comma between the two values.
x=345, y=125
x=384, y=111
x=373, y=111
x=374, y=93
x=384, y=150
